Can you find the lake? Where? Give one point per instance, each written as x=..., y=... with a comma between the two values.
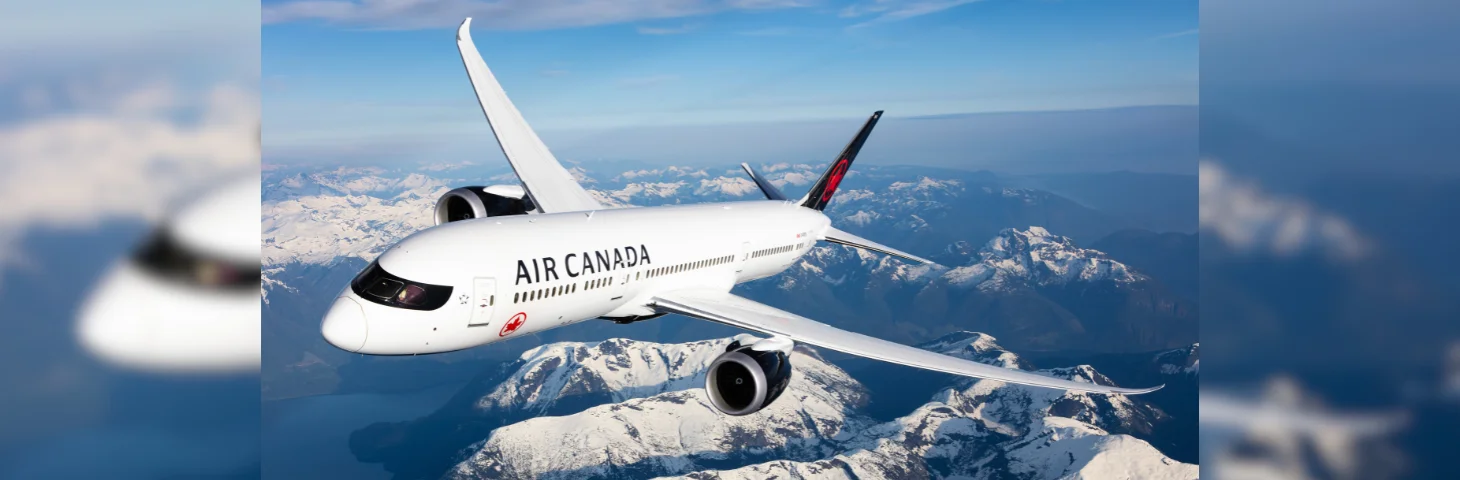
x=309, y=437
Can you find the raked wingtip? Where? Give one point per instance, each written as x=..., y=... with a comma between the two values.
x=464, y=30
x=1152, y=389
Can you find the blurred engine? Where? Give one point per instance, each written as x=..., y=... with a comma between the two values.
x=467, y=203
x=747, y=378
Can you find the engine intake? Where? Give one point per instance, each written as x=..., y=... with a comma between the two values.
x=467, y=203
x=747, y=378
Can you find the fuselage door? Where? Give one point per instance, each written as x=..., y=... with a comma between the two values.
x=744, y=257
x=618, y=284
x=484, y=291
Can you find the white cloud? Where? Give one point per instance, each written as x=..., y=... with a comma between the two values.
x=502, y=14
x=894, y=10
x=666, y=30
x=1179, y=34
x=124, y=156
x=1248, y=219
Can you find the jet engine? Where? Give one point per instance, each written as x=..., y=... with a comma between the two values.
x=466, y=203
x=749, y=376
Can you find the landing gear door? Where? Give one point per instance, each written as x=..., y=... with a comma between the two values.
x=484, y=299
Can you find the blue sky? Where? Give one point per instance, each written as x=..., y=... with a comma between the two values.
x=350, y=74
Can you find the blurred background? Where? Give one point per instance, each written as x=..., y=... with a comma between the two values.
x=128, y=239
x=1328, y=225
x=1328, y=238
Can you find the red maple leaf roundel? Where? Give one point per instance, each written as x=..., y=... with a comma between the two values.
x=835, y=179
x=513, y=324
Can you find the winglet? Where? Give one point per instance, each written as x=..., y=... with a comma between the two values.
x=1140, y=391
x=766, y=187
x=551, y=187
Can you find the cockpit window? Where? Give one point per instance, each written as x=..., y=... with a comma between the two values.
x=162, y=256
x=383, y=288
x=379, y=286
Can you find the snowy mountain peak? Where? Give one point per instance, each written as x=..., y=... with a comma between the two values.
x=620, y=369
x=673, y=430
x=1015, y=409
x=1180, y=361
x=926, y=185
x=979, y=347
x=1034, y=256
x=813, y=431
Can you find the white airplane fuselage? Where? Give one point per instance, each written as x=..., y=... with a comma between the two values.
x=515, y=275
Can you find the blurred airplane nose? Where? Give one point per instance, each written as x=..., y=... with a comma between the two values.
x=344, y=326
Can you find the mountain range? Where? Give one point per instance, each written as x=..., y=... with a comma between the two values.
x=621, y=408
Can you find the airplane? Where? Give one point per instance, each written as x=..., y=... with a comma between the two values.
x=505, y=261
x=186, y=299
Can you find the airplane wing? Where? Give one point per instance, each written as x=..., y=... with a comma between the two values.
x=739, y=312
x=550, y=185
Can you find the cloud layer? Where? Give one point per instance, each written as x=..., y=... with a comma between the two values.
x=1248, y=219
x=503, y=14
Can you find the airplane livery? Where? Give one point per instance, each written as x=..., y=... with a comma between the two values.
x=546, y=268
x=570, y=260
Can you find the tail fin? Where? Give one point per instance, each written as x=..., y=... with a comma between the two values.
x=824, y=187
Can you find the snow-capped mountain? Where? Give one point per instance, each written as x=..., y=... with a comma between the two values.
x=1034, y=257
x=315, y=216
x=663, y=432
x=617, y=370
x=1181, y=361
x=320, y=218
x=663, y=424
x=1037, y=288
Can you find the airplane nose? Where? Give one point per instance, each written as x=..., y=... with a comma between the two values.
x=344, y=326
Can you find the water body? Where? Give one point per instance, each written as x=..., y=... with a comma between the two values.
x=309, y=437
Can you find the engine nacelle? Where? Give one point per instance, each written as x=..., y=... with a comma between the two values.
x=748, y=377
x=466, y=203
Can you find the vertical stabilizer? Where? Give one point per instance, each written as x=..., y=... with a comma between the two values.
x=825, y=187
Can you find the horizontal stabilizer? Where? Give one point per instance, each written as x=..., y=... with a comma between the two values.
x=837, y=236
x=765, y=184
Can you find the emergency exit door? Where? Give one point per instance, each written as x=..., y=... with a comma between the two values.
x=484, y=299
